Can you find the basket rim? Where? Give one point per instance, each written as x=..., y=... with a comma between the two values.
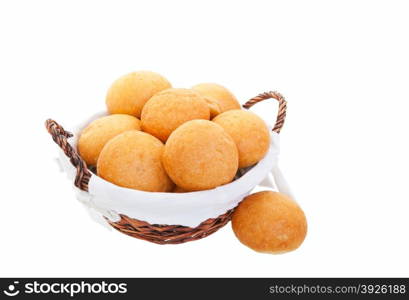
x=271, y=153
x=83, y=176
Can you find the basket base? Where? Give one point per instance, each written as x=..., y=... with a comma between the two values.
x=169, y=234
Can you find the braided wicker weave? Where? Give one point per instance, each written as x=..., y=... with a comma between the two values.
x=160, y=234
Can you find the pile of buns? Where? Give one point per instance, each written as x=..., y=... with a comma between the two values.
x=157, y=138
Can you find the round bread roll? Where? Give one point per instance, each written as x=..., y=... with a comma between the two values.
x=200, y=155
x=218, y=93
x=94, y=137
x=129, y=93
x=269, y=222
x=168, y=109
x=133, y=160
x=249, y=132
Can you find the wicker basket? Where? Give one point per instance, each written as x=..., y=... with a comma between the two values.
x=156, y=233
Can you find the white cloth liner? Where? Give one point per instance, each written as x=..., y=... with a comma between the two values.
x=187, y=209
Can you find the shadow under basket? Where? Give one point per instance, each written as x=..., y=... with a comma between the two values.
x=156, y=233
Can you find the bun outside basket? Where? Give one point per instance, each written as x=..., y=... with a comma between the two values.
x=156, y=233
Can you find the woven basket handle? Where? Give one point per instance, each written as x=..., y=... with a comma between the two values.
x=282, y=107
x=60, y=137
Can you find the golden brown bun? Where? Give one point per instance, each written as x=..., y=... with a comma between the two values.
x=94, y=137
x=249, y=132
x=200, y=155
x=133, y=160
x=168, y=109
x=218, y=93
x=129, y=93
x=269, y=222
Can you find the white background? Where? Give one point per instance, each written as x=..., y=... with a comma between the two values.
x=342, y=65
